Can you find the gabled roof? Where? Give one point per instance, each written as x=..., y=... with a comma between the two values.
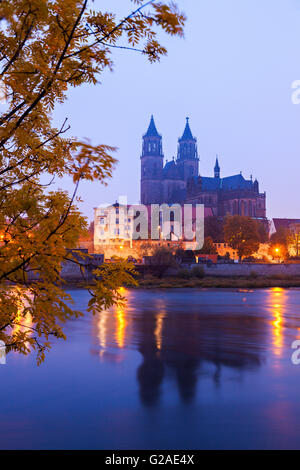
x=228, y=183
x=284, y=223
x=236, y=182
x=152, y=131
x=210, y=184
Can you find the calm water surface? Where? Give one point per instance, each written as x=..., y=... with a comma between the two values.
x=174, y=369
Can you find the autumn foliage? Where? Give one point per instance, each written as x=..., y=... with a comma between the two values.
x=46, y=47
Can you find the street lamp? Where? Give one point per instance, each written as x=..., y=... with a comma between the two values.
x=277, y=251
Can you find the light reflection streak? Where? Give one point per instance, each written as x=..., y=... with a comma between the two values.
x=102, y=330
x=121, y=318
x=278, y=301
x=158, y=330
x=113, y=321
x=22, y=323
x=159, y=319
x=121, y=326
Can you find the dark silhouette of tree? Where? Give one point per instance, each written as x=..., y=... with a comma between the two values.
x=214, y=228
x=241, y=234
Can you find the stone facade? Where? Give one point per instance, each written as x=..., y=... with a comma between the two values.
x=179, y=181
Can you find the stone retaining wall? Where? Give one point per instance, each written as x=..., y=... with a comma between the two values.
x=250, y=269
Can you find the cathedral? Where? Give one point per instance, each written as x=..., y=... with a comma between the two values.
x=179, y=181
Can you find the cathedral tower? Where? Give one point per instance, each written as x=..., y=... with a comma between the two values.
x=151, y=166
x=187, y=157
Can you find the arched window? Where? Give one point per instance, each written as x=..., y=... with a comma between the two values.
x=250, y=208
x=234, y=207
x=242, y=208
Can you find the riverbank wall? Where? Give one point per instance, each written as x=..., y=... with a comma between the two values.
x=251, y=269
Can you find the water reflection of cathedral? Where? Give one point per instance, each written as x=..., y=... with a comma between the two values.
x=181, y=344
x=186, y=344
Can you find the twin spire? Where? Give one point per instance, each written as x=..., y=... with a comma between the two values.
x=186, y=136
x=152, y=131
x=187, y=133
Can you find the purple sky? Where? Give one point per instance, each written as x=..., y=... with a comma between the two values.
x=231, y=75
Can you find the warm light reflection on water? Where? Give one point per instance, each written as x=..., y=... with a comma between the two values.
x=172, y=368
x=22, y=322
x=277, y=303
x=101, y=330
x=112, y=324
x=121, y=326
x=159, y=319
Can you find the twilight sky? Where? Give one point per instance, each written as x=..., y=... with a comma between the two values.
x=231, y=75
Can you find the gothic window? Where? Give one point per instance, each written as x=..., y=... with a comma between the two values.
x=242, y=208
x=234, y=207
x=250, y=209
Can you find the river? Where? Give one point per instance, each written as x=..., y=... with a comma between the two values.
x=174, y=369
